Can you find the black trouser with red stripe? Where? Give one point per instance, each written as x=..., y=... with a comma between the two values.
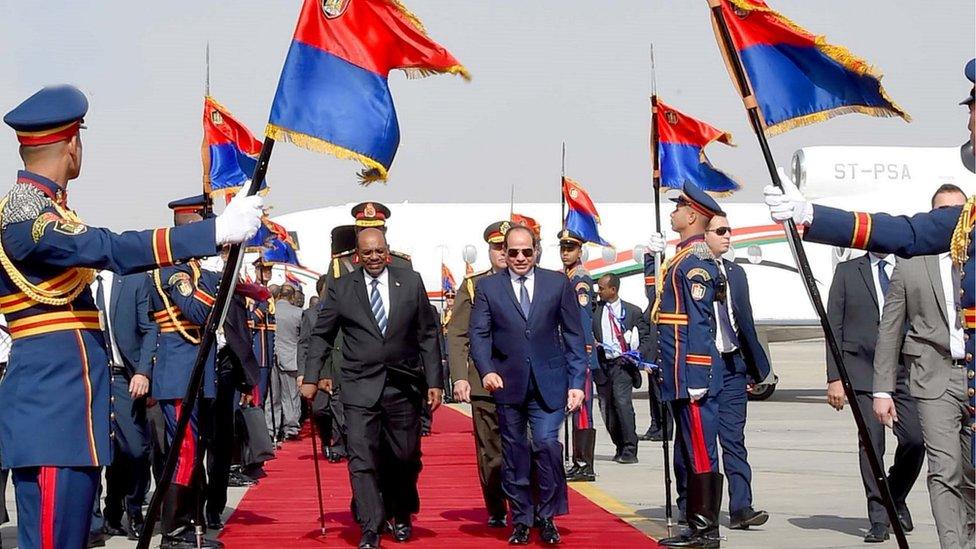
x=696, y=425
x=181, y=506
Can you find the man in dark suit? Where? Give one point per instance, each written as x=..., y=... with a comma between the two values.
x=124, y=301
x=527, y=343
x=391, y=366
x=857, y=295
x=618, y=327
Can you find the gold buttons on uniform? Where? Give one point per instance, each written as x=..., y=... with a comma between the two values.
x=972, y=392
x=971, y=374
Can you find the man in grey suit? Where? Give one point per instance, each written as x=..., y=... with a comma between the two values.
x=284, y=376
x=922, y=294
x=857, y=294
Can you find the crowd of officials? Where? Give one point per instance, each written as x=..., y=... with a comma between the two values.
x=112, y=323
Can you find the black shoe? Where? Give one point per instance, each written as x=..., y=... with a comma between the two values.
x=627, y=459
x=548, y=532
x=743, y=519
x=877, y=534
x=401, y=530
x=369, y=540
x=616, y=455
x=292, y=436
x=905, y=518
x=133, y=528
x=113, y=529
x=214, y=522
x=188, y=541
x=497, y=521
x=96, y=539
x=520, y=535
x=584, y=474
x=240, y=480
x=572, y=471
x=652, y=434
x=703, y=539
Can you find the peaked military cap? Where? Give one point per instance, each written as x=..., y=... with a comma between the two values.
x=570, y=237
x=698, y=200
x=495, y=233
x=370, y=214
x=53, y=114
x=971, y=75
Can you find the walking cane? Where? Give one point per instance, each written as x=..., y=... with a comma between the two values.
x=270, y=400
x=318, y=475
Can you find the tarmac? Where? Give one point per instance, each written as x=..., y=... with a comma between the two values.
x=804, y=464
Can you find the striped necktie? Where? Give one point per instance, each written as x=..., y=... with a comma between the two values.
x=376, y=303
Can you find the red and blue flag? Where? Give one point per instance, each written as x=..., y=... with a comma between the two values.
x=229, y=151
x=681, y=151
x=581, y=215
x=334, y=96
x=798, y=78
x=292, y=279
x=447, y=279
x=274, y=243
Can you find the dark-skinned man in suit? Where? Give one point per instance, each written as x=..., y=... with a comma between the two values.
x=391, y=367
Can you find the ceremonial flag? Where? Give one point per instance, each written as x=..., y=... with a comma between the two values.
x=797, y=77
x=526, y=221
x=681, y=151
x=333, y=95
x=290, y=278
x=581, y=215
x=447, y=279
x=274, y=243
x=229, y=151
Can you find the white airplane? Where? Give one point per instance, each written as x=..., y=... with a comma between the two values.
x=891, y=179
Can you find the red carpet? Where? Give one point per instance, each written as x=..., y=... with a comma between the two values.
x=281, y=511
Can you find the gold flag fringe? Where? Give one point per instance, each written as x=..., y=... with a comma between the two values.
x=417, y=72
x=373, y=171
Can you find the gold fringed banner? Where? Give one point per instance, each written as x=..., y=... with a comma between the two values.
x=372, y=171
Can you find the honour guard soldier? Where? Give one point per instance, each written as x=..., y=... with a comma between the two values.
x=180, y=302
x=467, y=385
x=684, y=315
x=367, y=215
x=262, y=324
x=55, y=446
x=584, y=434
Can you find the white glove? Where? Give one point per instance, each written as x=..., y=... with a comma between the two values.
x=239, y=220
x=697, y=394
x=656, y=244
x=788, y=203
x=221, y=339
x=213, y=263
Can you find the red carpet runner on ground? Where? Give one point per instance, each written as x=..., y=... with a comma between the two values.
x=281, y=511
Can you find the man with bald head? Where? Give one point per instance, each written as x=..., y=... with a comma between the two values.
x=391, y=365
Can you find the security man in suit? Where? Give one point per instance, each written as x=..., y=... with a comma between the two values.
x=689, y=360
x=180, y=302
x=367, y=215
x=584, y=433
x=467, y=385
x=55, y=446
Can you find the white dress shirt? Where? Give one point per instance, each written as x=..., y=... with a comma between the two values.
x=383, y=287
x=889, y=268
x=719, y=342
x=107, y=277
x=956, y=344
x=529, y=283
x=611, y=345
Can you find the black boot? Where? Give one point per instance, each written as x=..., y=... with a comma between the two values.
x=577, y=455
x=586, y=445
x=704, y=503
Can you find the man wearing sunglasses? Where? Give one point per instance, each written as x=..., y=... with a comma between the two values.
x=689, y=360
x=528, y=346
x=744, y=361
x=584, y=435
x=467, y=382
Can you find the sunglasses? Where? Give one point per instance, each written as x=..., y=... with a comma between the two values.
x=721, y=231
x=526, y=252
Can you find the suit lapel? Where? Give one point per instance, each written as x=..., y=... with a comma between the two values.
x=113, y=300
x=865, y=269
x=396, y=298
x=935, y=276
x=537, y=295
x=598, y=322
x=511, y=293
x=359, y=288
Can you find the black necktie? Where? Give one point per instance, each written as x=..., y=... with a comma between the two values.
x=883, y=279
x=107, y=330
x=729, y=338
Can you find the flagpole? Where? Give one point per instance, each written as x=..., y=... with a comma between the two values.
x=562, y=194
x=659, y=259
x=799, y=254
x=216, y=318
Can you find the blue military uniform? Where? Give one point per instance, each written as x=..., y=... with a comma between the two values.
x=584, y=433
x=938, y=231
x=55, y=418
x=689, y=363
x=261, y=320
x=182, y=298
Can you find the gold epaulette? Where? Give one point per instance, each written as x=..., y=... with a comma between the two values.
x=469, y=281
x=401, y=255
x=959, y=245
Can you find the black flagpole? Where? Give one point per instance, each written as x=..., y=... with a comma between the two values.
x=217, y=313
x=796, y=245
x=562, y=223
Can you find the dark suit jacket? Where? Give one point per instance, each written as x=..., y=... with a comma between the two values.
x=239, y=348
x=757, y=363
x=130, y=322
x=852, y=309
x=549, y=343
x=632, y=316
x=409, y=352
